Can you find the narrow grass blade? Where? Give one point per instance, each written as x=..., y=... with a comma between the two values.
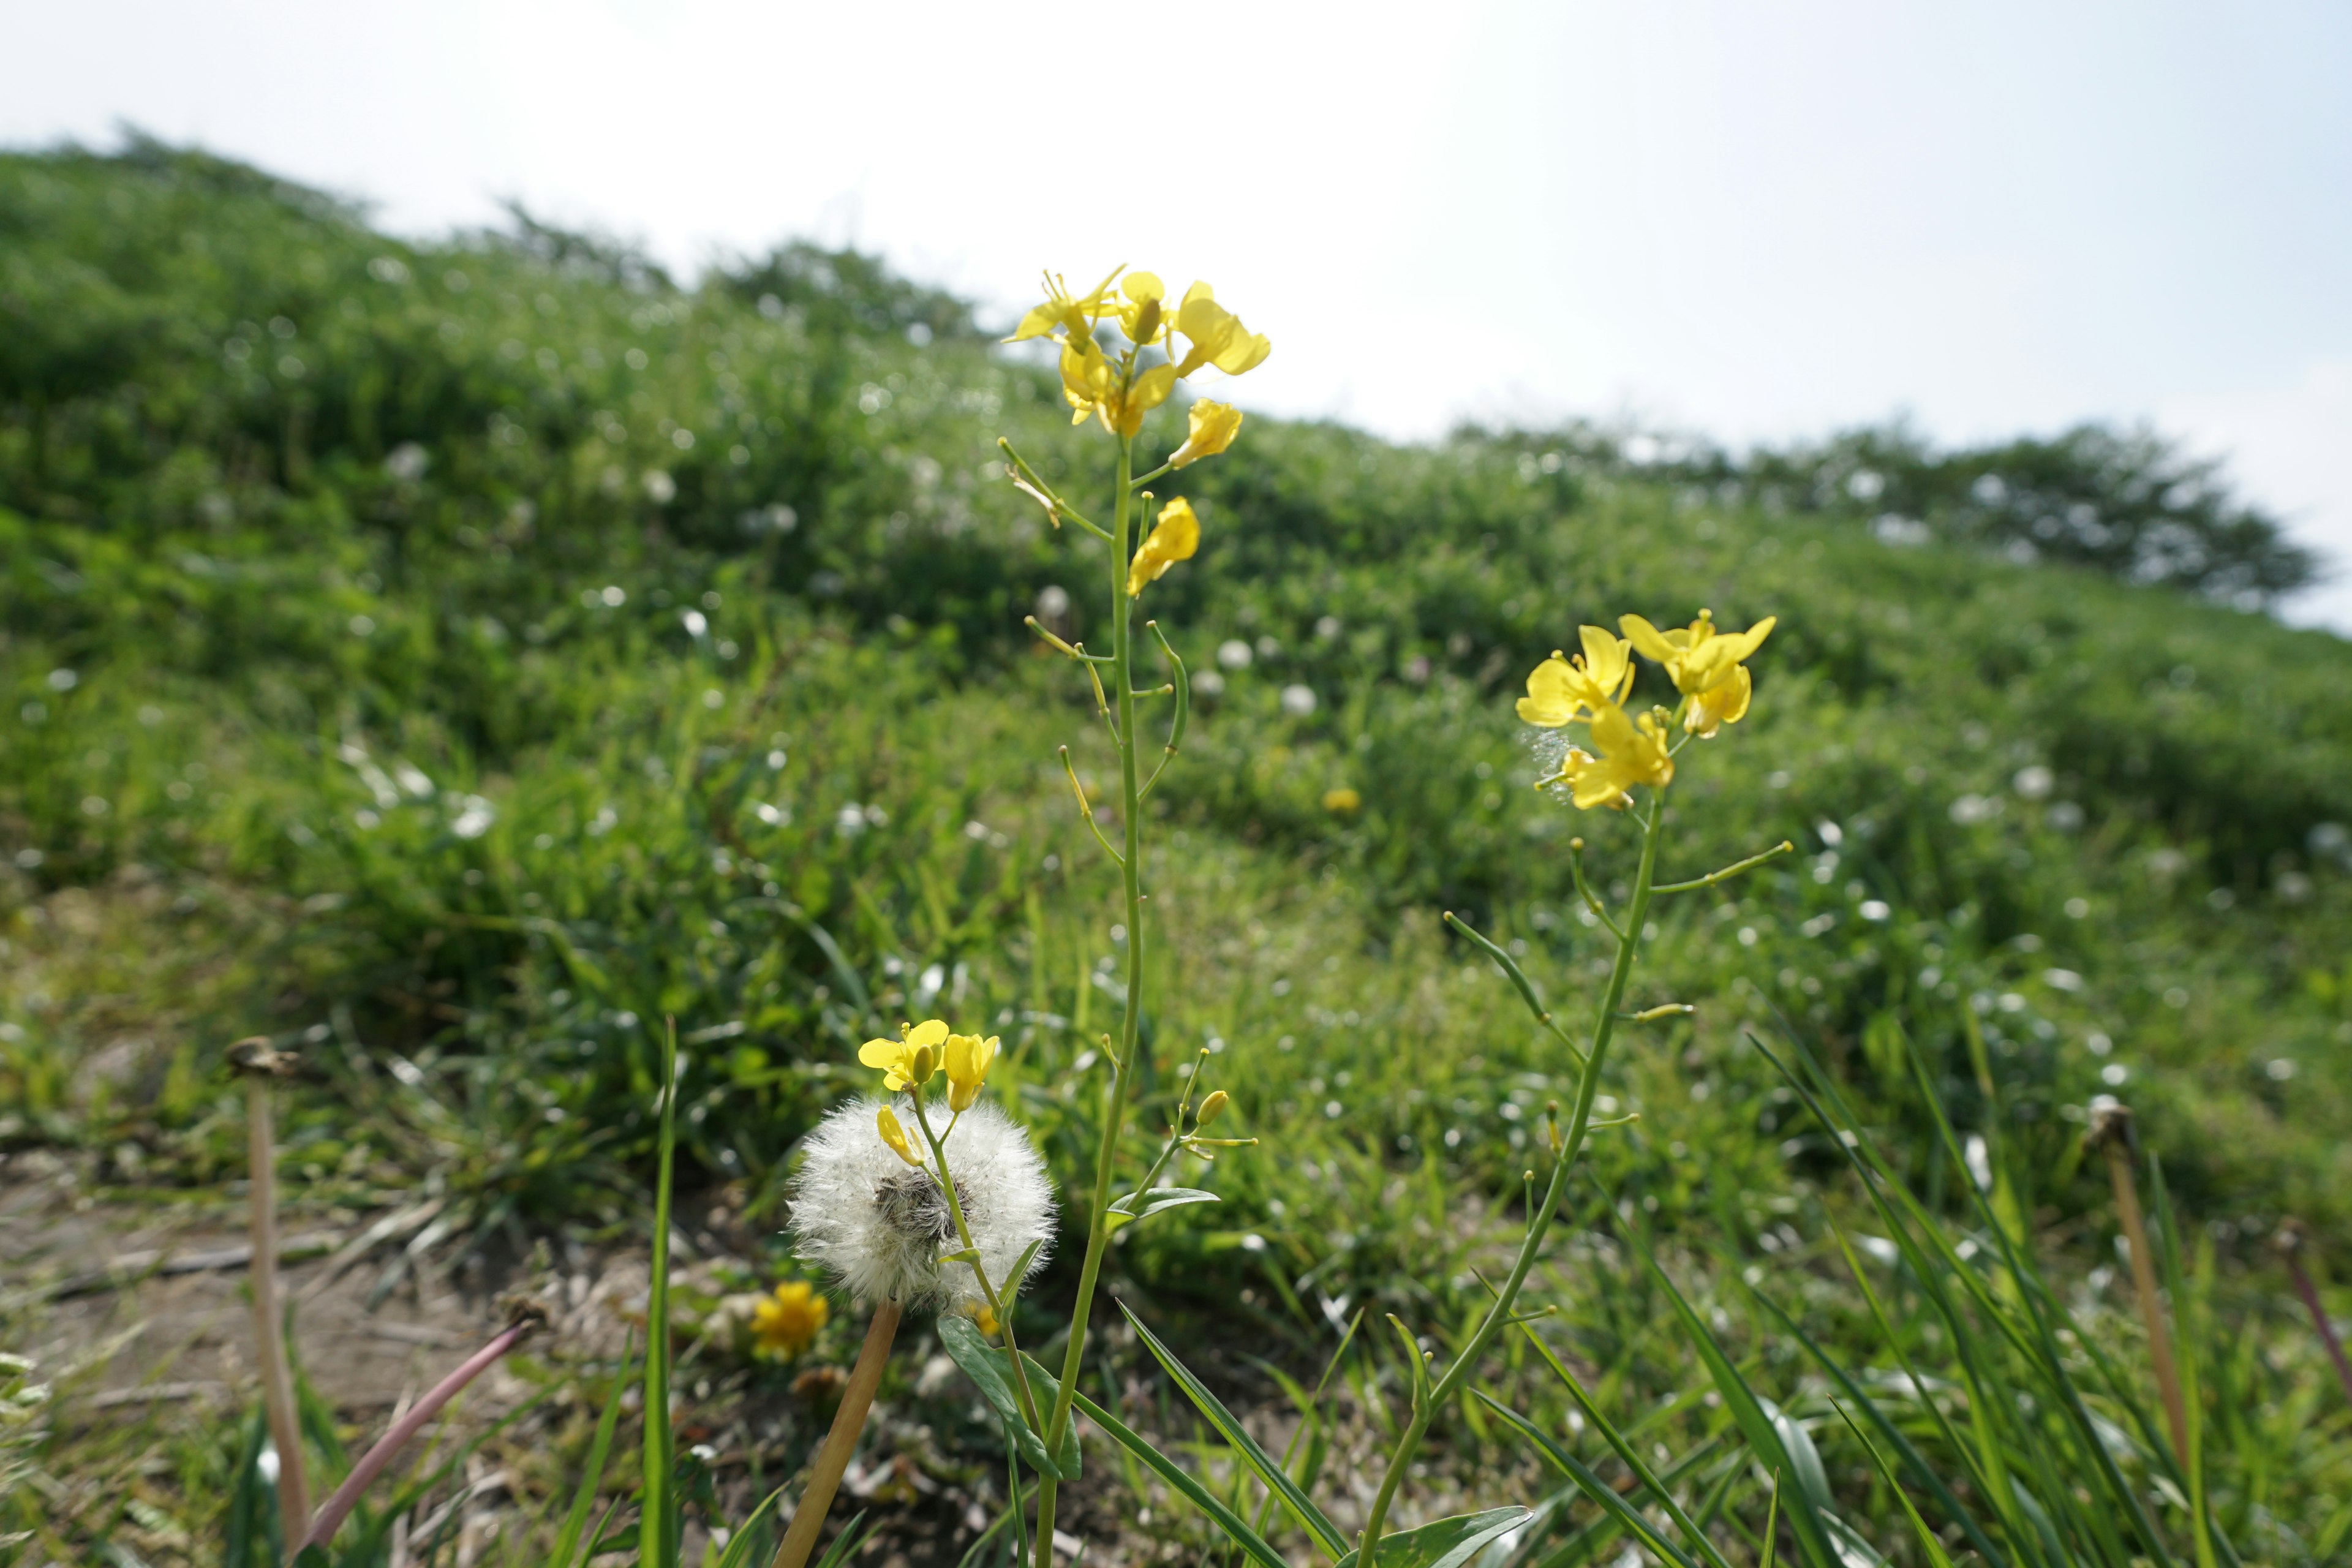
x=1310, y=1518
x=576, y=1522
x=1913, y=1460
x=1236, y=1529
x=738, y=1545
x=1444, y=1542
x=1599, y=1490
x=844, y=1545
x=1625, y=1451
x=658, y=1522
x=1764, y=1436
x=1928, y=1543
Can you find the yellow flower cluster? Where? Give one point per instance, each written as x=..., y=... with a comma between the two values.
x=785, y=1323
x=1706, y=667
x=1120, y=392
x=919, y=1053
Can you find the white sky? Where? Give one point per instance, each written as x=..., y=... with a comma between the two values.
x=1753, y=221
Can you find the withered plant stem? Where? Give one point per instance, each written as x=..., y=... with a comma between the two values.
x=2151, y=1306
x=841, y=1442
x=269, y=1330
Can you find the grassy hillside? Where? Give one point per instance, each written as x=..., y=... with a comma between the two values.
x=457, y=657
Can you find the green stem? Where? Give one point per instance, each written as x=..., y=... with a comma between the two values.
x=1122, y=650
x=1498, y=1311
x=1001, y=1303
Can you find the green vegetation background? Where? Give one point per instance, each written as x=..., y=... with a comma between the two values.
x=456, y=657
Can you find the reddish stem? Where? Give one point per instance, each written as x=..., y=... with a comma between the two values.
x=331, y=1514
x=2303, y=1288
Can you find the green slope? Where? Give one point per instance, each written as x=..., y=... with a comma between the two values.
x=467, y=653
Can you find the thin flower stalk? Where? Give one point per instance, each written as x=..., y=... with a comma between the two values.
x=259, y=1066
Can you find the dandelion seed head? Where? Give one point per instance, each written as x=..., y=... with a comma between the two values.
x=860, y=1212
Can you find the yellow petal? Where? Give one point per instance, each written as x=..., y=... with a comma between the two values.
x=1553, y=694
x=1648, y=638
x=1213, y=429
x=886, y=1123
x=929, y=1032
x=1143, y=286
x=881, y=1052
x=1244, y=353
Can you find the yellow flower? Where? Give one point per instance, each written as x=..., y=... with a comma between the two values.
x=1217, y=335
x=885, y=1122
x=1559, y=693
x=907, y=1061
x=1092, y=384
x=1141, y=318
x=1174, y=538
x=1214, y=427
x=983, y=1317
x=968, y=1059
x=1342, y=800
x=1631, y=752
x=786, y=1323
x=1063, y=311
x=1706, y=665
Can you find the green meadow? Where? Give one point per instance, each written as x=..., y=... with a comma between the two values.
x=452, y=660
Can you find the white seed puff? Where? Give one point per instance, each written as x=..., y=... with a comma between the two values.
x=881, y=1226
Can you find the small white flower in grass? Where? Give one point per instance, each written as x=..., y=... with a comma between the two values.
x=861, y=1211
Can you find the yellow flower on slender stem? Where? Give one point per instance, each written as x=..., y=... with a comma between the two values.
x=1706, y=665
x=1064, y=311
x=785, y=1323
x=969, y=1057
x=1174, y=538
x=1633, y=751
x=909, y=1061
x=1562, y=692
x=1214, y=427
x=1217, y=335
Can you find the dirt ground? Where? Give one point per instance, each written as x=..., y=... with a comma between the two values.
x=134, y=1308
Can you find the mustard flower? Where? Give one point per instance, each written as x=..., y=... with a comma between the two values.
x=909, y=1061
x=1214, y=427
x=1632, y=752
x=1217, y=336
x=1562, y=692
x=786, y=1323
x=969, y=1057
x=1706, y=665
x=1174, y=538
x=1065, y=312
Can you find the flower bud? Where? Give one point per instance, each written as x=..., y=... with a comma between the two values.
x=921, y=1064
x=1212, y=1107
x=886, y=1122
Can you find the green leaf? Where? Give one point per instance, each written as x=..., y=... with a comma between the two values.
x=1144, y=1205
x=990, y=1371
x=1310, y=1518
x=1444, y=1542
x=1236, y=1529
